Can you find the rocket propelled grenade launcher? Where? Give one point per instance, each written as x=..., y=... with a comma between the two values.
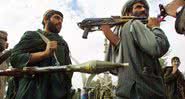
x=92, y=67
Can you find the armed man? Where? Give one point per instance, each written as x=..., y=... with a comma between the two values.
x=32, y=50
x=3, y=65
x=140, y=45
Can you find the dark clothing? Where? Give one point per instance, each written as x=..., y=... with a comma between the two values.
x=141, y=48
x=180, y=22
x=12, y=87
x=41, y=86
x=172, y=81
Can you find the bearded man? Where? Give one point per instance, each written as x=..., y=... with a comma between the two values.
x=33, y=51
x=140, y=45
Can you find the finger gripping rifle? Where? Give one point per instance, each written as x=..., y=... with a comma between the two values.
x=93, y=24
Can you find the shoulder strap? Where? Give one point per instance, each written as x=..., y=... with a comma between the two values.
x=46, y=40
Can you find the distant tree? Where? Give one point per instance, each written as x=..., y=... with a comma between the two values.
x=163, y=60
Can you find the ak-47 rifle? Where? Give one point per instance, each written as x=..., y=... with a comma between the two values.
x=93, y=67
x=93, y=24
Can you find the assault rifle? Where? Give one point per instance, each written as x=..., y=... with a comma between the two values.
x=93, y=24
x=93, y=67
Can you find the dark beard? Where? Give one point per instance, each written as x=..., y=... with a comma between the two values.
x=140, y=13
x=52, y=27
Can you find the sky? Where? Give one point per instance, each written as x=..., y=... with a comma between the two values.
x=19, y=16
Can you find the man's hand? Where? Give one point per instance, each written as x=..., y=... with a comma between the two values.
x=153, y=22
x=171, y=8
x=50, y=48
x=105, y=28
x=49, y=51
x=114, y=39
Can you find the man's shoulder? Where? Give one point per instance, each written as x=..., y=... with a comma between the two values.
x=30, y=34
x=136, y=22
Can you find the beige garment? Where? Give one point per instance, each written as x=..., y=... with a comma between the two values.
x=3, y=80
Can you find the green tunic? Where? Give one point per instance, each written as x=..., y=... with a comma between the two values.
x=141, y=48
x=41, y=86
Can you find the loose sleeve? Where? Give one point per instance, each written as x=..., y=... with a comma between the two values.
x=21, y=52
x=153, y=42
